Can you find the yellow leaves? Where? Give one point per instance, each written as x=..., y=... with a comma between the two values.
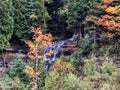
x=113, y=10
x=33, y=16
x=117, y=19
x=60, y=66
x=109, y=35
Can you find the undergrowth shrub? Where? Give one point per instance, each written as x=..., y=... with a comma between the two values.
x=25, y=78
x=8, y=83
x=5, y=82
x=106, y=86
x=90, y=68
x=106, y=78
x=105, y=50
x=77, y=60
x=85, y=47
x=110, y=45
x=72, y=83
x=114, y=49
x=16, y=69
x=52, y=80
x=84, y=85
x=118, y=78
x=85, y=44
x=108, y=68
x=62, y=67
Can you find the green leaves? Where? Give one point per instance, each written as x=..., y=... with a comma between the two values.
x=77, y=10
x=108, y=67
x=6, y=23
x=18, y=16
x=16, y=67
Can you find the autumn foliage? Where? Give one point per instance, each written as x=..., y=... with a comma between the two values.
x=110, y=21
x=40, y=41
x=60, y=66
x=108, y=1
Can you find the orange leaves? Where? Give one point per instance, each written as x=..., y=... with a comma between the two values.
x=109, y=35
x=110, y=22
x=33, y=75
x=49, y=54
x=30, y=71
x=40, y=41
x=91, y=20
x=110, y=9
x=103, y=6
x=30, y=44
x=44, y=40
x=108, y=1
x=104, y=19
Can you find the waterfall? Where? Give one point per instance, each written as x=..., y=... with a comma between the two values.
x=56, y=48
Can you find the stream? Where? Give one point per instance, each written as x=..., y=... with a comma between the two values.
x=56, y=48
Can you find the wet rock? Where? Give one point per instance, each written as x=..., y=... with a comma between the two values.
x=69, y=48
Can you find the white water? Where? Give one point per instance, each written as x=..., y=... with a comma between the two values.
x=56, y=48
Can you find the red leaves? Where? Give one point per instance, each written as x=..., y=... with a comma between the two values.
x=110, y=23
x=108, y=1
x=91, y=20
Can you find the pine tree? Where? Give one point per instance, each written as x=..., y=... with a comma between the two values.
x=6, y=22
x=36, y=13
x=20, y=21
x=28, y=13
x=77, y=11
x=54, y=6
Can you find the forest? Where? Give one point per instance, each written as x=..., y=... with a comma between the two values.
x=59, y=44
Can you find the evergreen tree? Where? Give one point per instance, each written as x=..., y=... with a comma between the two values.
x=6, y=22
x=28, y=13
x=93, y=14
x=57, y=24
x=77, y=11
x=20, y=21
x=54, y=5
x=36, y=13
